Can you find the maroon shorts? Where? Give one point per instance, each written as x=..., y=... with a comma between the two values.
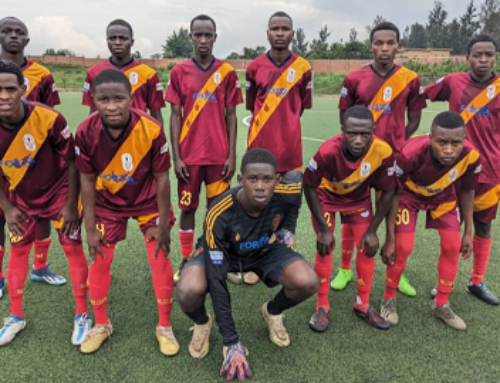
x=440, y=217
x=486, y=202
x=358, y=217
x=189, y=193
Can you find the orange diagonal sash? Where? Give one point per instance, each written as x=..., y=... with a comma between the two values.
x=481, y=100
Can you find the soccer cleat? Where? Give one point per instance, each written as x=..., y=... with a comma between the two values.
x=405, y=288
x=277, y=331
x=251, y=278
x=434, y=292
x=11, y=326
x=177, y=274
x=482, y=292
x=343, y=277
x=82, y=325
x=200, y=342
x=388, y=311
x=95, y=338
x=446, y=314
x=235, y=278
x=2, y=286
x=47, y=276
x=167, y=341
x=371, y=317
x=319, y=320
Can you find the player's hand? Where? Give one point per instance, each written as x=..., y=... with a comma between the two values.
x=388, y=253
x=94, y=241
x=466, y=248
x=181, y=171
x=369, y=244
x=13, y=218
x=325, y=243
x=235, y=364
x=229, y=169
x=70, y=220
x=160, y=234
x=285, y=237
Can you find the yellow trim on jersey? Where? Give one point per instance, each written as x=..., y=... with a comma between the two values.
x=373, y=159
x=481, y=100
x=446, y=180
x=487, y=200
x=397, y=83
x=26, y=144
x=212, y=215
x=215, y=189
x=210, y=87
x=295, y=188
x=144, y=73
x=136, y=146
x=443, y=209
x=143, y=219
x=35, y=73
x=59, y=224
x=300, y=67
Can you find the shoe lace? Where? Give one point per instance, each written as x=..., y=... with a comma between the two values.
x=483, y=287
x=447, y=312
x=276, y=321
x=7, y=322
x=200, y=331
x=99, y=329
x=166, y=332
x=46, y=272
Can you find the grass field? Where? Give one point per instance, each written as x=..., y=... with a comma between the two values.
x=419, y=349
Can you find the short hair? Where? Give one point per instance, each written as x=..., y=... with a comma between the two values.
x=111, y=76
x=448, y=120
x=385, y=26
x=258, y=156
x=202, y=17
x=482, y=38
x=7, y=66
x=12, y=18
x=357, y=111
x=121, y=23
x=280, y=14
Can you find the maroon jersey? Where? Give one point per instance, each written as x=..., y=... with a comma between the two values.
x=277, y=96
x=33, y=159
x=388, y=97
x=423, y=180
x=344, y=182
x=40, y=85
x=124, y=167
x=204, y=94
x=146, y=85
x=479, y=105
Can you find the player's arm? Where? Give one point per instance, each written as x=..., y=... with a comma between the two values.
x=251, y=89
x=13, y=216
x=180, y=167
x=162, y=234
x=440, y=90
x=347, y=95
x=466, y=203
x=413, y=122
x=388, y=251
x=306, y=91
x=87, y=94
x=231, y=124
x=155, y=99
x=50, y=95
x=292, y=181
x=156, y=114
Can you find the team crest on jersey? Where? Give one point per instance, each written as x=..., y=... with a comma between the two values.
x=29, y=142
x=66, y=133
x=453, y=175
x=217, y=78
x=366, y=167
x=134, y=78
x=127, y=162
x=290, y=77
x=276, y=222
x=387, y=94
x=27, y=83
x=490, y=92
x=343, y=92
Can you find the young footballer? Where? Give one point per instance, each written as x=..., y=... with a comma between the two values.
x=246, y=229
x=339, y=179
x=203, y=92
x=393, y=94
x=39, y=183
x=475, y=96
x=434, y=172
x=146, y=86
x=123, y=158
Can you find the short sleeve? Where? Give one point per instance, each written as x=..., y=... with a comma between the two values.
x=49, y=94
x=347, y=94
x=306, y=90
x=471, y=175
x=384, y=178
x=160, y=154
x=173, y=93
x=62, y=139
x=416, y=98
x=154, y=94
x=439, y=91
x=87, y=91
x=233, y=90
x=82, y=151
x=251, y=88
x=315, y=171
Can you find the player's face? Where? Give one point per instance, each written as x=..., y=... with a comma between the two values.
x=11, y=94
x=482, y=58
x=258, y=182
x=13, y=36
x=113, y=101
x=120, y=41
x=203, y=37
x=280, y=33
x=357, y=135
x=384, y=47
x=447, y=144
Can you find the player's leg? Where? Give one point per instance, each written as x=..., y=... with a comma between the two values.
x=2, y=252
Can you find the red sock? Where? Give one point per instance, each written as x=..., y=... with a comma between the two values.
x=163, y=282
x=323, y=267
x=365, y=267
x=481, y=249
x=347, y=238
x=41, y=249
x=404, y=247
x=447, y=265
x=2, y=254
x=100, y=282
x=16, y=277
x=186, y=237
x=79, y=272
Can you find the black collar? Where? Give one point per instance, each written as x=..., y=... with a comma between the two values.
x=122, y=66
x=493, y=75
x=125, y=128
x=24, y=63
x=386, y=75
x=20, y=124
x=204, y=69
x=276, y=64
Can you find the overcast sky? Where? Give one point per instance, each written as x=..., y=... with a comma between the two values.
x=80, y=25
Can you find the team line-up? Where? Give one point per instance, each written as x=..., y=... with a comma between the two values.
x=119, y=160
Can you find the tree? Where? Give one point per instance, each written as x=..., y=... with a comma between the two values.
x=490, y=18
x=376, y=21
x=436, y=26
x=60, y=52
x=178, y=45
x=353, y=35
x=299, y=44
x=251, y=53
x=320, y=46
x=406, y=37
x=156, y=56
x=452, y=38
x=417, y=37
x=137, y=55
x=469, y=26
x=233, y=56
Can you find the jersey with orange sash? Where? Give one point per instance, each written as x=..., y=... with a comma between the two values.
x=146, y=86
x=388, y=97
x=40, y=85
x=277, y=96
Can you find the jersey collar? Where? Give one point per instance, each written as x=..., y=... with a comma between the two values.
x=493, y=75
x=274, y=62
x=106, y=129
x=122, y=66
x=391, y=71
x=204, y=69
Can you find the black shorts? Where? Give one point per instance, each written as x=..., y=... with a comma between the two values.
x=269, y=265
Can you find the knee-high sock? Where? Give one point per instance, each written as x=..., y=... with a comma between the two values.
x=365, y=266
x=41, y=250
x=447, y=265
x=347, y=243
x=2, y=254
x=163, y=282
x=481, y=249
x=16, y=277
x=100, y=282
x=186, y=238
x=404, y=247
x=78, y=270
x=323, y=267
